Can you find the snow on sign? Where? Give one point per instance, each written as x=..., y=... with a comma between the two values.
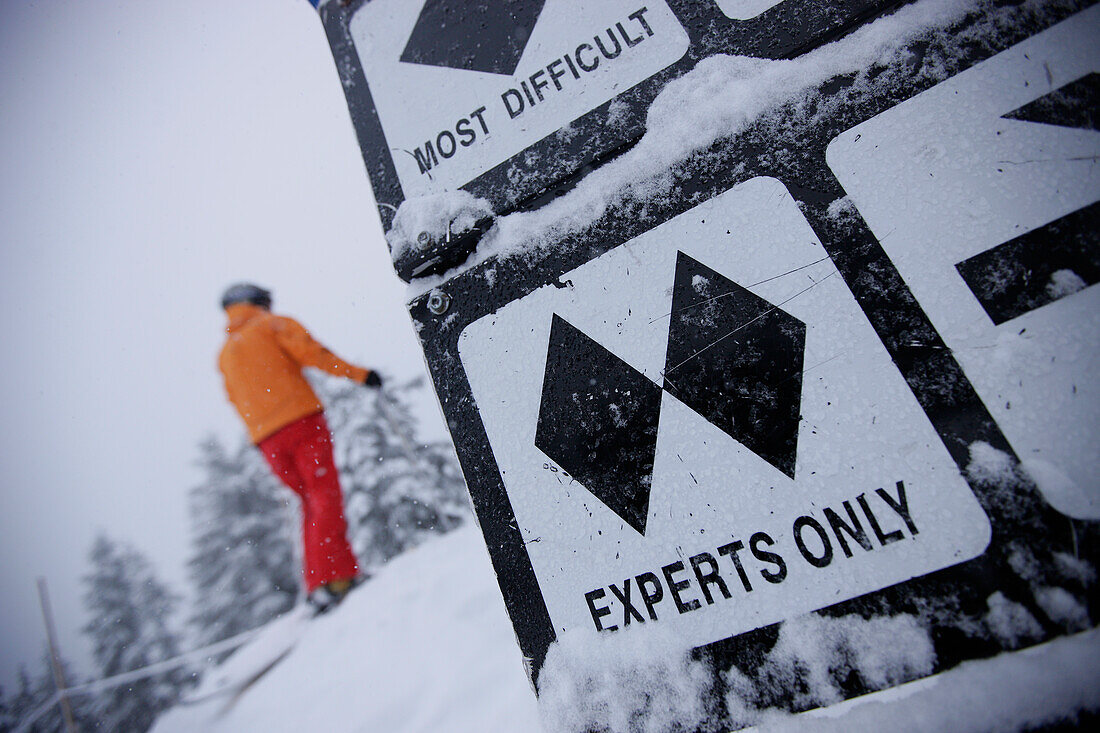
x=459, y=93
x=700, y=430
x=999, y=239
x=749, y=374
x=513, y=100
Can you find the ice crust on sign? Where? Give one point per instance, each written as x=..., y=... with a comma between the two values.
x=1075, y=568
x=815, y=654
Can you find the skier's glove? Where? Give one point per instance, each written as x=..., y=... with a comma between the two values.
x=373, y=380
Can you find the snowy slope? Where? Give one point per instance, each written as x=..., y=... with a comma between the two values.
x=424, y=646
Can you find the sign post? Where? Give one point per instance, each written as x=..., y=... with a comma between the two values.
x=838, y=361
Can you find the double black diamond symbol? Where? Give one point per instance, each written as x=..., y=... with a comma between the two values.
x=732, y=357
x=488, y=36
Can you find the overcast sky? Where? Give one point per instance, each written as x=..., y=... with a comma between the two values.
x=152, y=152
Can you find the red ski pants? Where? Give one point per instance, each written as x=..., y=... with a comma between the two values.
x=301, y=455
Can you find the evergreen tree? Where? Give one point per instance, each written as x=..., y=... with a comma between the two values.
x=244, y=564
x=21, y=704
x=397, y=490
x=35, y=696
x=130, y=614
x=7, y=715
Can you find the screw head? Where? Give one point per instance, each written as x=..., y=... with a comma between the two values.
x=438, y=302
x=424, y=238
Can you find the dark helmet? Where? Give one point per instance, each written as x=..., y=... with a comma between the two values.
x=246, y=293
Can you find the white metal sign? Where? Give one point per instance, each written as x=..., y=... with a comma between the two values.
x=976, y=189
x=457, y=97
x=700, y=429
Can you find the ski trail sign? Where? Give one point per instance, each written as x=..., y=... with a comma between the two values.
x=984, y=192
x=839, y=360
x=646, y=496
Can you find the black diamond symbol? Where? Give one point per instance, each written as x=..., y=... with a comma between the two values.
x=488, y=35
x=1074, y=105
x=736, y=359
x=598, y=421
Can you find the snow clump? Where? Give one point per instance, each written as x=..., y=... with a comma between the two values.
x=1074, y=567
x=1063, y=608
x=435, y=215
x=1064, y=282
x=1010, y=623
x=815, y=653
x=843, y=211
x=622, y=681
x=990, y=466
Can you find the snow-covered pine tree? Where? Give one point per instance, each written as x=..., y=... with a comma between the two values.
x=7, y=716
x=244, y=565
x=21, y=704
x=398, y=490
x=36, y=695
x=130, y=628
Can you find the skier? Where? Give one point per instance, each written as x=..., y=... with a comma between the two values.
x=262, y=363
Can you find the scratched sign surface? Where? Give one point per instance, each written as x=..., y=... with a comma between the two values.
x=689, y=436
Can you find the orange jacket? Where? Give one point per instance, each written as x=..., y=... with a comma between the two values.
x=262, y=364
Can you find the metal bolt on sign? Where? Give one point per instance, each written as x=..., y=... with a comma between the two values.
x=438, y=302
